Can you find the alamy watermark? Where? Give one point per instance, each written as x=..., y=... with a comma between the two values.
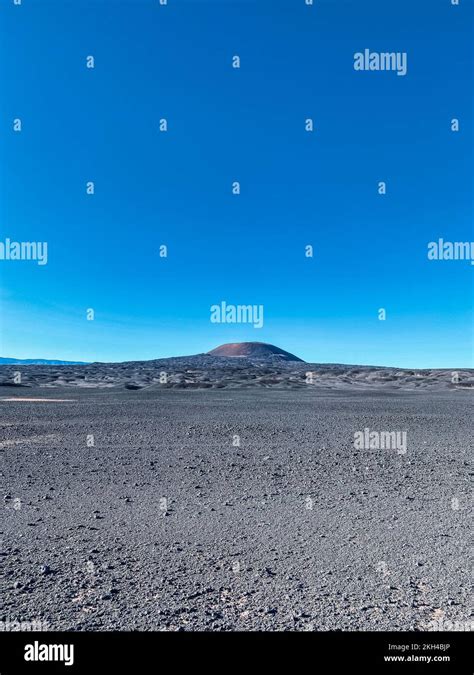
x=443, y=625
x=381, y=440
x=395, y=61
x=16, y=625
x=226, y=313
x=24, y=250
x=451, y=250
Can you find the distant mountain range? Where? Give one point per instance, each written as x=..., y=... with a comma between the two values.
x=249, y=350
x=39, y=362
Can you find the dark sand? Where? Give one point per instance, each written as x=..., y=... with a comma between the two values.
x=164, y=524
x=204, y=371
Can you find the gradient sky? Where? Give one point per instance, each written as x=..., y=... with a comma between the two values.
x=298, y=188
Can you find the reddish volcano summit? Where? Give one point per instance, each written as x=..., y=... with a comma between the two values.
x=252, y=350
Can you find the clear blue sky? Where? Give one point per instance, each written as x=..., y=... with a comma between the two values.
x=298, y=188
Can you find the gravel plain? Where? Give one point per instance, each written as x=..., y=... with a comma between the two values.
x=227, y=509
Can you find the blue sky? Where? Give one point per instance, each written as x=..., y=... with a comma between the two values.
x=246, y=125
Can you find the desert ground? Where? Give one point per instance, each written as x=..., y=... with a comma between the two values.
x=232, y=497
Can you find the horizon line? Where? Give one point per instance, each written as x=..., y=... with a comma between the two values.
x=73, y=362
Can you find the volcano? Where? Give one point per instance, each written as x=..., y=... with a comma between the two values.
x=253, y=350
